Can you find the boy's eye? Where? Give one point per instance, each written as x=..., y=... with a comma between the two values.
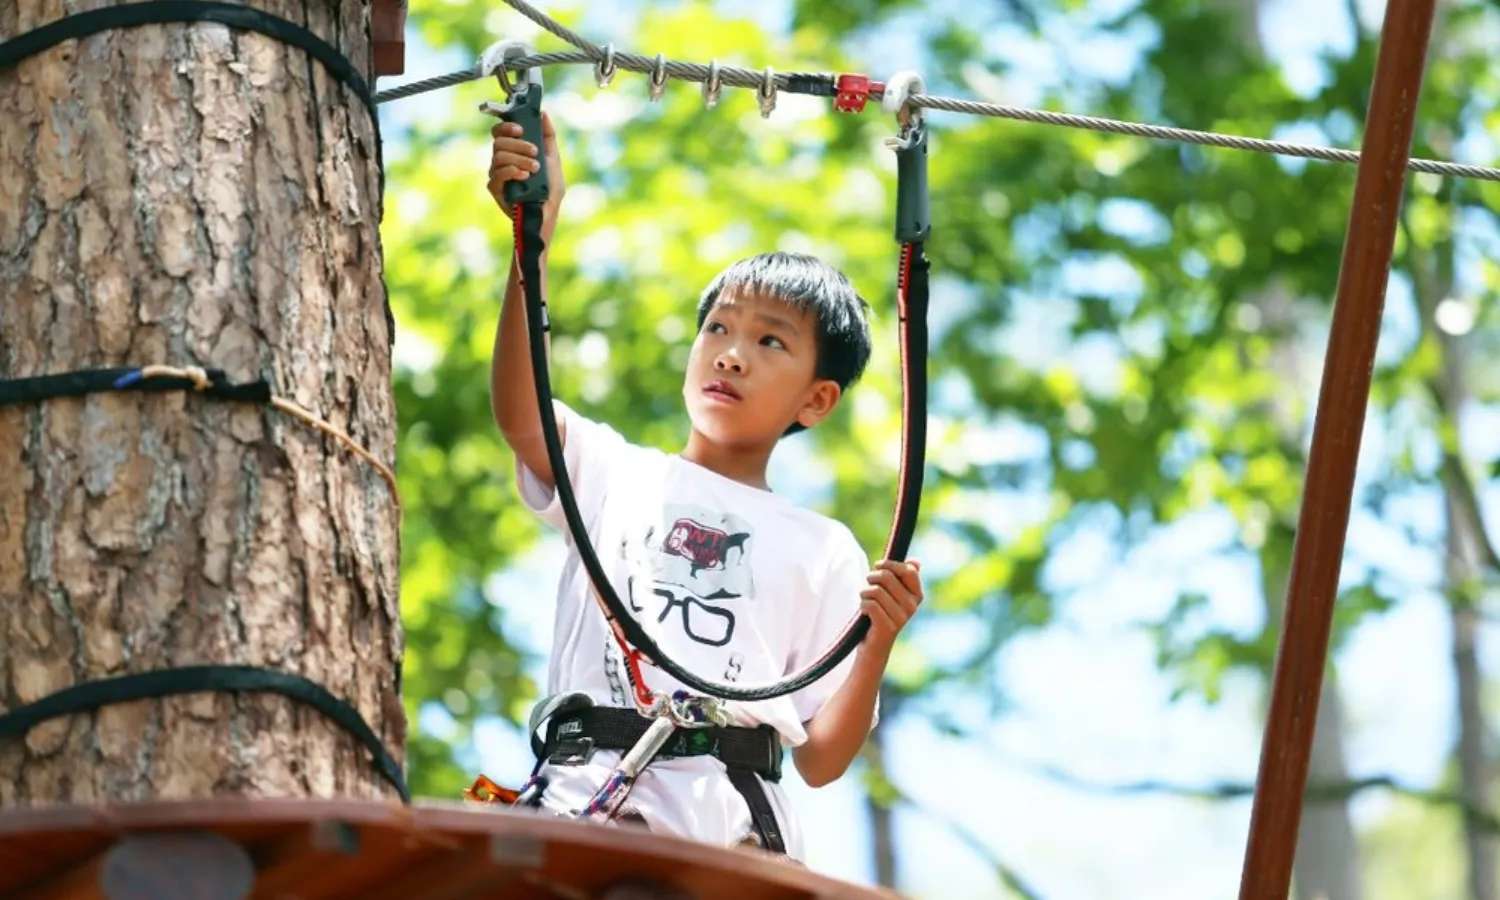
x=713, y=327
x=772, y=340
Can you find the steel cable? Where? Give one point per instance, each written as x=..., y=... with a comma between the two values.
x=591, y=53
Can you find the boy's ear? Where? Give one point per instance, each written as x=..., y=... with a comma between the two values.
x=821, y=399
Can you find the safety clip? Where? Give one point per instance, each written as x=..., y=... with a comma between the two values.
x=494, y=59
x=896, y=98
x=913, y=219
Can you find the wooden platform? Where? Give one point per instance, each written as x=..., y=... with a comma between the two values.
x=347, y=848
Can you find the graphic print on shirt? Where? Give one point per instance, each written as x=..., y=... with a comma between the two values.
x=700, y=562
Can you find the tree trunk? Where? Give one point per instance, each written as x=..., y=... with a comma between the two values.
x=1327, y=862
x=1473, y=766
x=1433, y=279
x=194, y=195
x=1461, y=572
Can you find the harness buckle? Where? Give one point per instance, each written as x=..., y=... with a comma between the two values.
x=773, y=749
x=572, y=751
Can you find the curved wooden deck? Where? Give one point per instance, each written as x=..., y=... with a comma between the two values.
x=295, y=848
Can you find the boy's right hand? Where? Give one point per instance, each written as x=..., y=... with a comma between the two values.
x=514, y=159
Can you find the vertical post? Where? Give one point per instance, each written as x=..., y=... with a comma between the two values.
x=1342, y=399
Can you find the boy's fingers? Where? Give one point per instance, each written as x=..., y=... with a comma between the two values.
x=513, y=145
x=500, y=128
x=899, y=606
x=907, y=572
x=895, y=611
x=507, y=161
x=879, y=618
x=891, y=580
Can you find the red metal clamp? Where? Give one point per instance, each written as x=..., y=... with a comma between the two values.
x=853, y=91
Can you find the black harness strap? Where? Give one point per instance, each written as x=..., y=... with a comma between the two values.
x=91, y=381
x=194, y=679
x=615, y=728
x=762, y=816
x=160, y=12
x=748, y=754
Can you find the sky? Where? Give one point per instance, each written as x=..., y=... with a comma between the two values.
x=1088, y=697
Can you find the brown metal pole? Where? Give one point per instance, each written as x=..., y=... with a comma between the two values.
x=1345, y=392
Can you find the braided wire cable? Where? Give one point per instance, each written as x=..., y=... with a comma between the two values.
x=589, y=52
x=1188, y=136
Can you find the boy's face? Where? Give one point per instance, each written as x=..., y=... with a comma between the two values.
x=750, y=373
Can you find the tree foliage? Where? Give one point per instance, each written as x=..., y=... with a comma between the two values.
x=1126, y=335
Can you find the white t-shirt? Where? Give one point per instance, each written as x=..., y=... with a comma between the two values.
x=735, y=583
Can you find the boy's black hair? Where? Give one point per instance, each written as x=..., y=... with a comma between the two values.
x=807, y=284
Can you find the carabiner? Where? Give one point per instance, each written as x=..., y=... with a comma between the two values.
x=496, y=56
x=896, y=98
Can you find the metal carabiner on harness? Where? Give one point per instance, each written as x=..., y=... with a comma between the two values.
x=694, y=711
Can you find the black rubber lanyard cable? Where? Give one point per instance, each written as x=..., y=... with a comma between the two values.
x=912, y=300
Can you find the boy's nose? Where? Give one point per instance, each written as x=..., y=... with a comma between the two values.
x=726, y=362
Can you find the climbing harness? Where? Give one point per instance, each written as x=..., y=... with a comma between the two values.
x=567, y=729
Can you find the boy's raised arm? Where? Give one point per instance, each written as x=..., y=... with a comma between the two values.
x=512, y=389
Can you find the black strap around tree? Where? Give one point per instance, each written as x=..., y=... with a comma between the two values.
x=160, y=12
x=194, y=679
x=188, y=679
x=91, y=381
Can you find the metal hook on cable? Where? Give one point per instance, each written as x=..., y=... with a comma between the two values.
x=711, y=86
x=658, y=77
x=896, y=98
x=497, y=56
x=766, y=91
x=604, y=72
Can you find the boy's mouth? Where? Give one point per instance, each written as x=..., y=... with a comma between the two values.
x=722, y=391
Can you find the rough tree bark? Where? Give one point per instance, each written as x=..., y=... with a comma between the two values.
x=194, y=195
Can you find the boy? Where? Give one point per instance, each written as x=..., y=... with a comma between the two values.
x=735, y=582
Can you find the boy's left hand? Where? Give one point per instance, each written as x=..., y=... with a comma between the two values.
x=890, y=600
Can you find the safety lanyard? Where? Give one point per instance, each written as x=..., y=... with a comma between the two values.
x=912, y=228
